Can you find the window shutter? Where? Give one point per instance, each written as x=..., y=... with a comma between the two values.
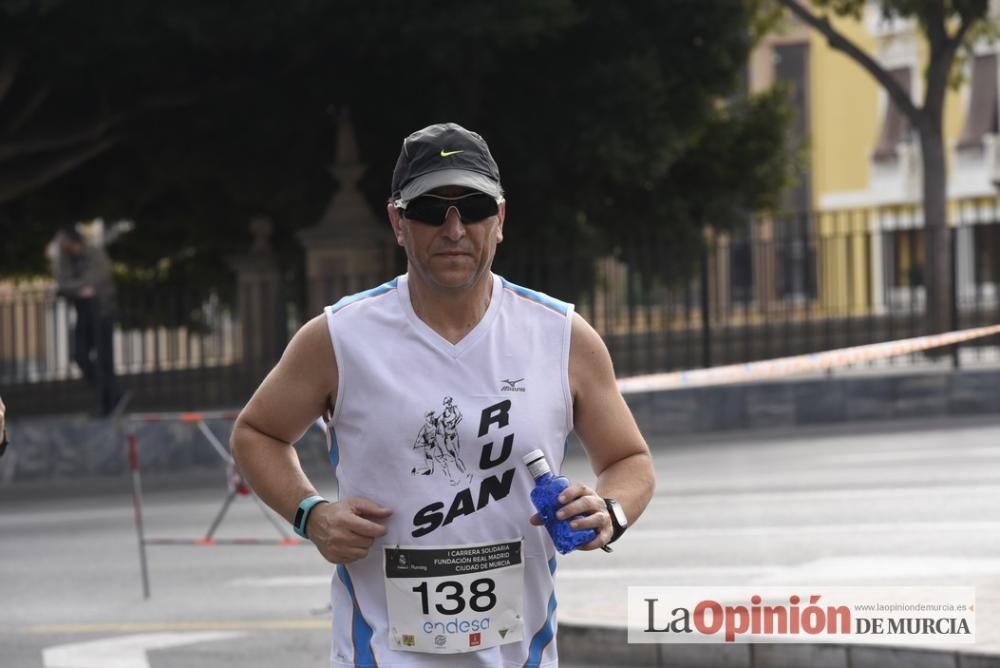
x=895, y=127
x=981, y=118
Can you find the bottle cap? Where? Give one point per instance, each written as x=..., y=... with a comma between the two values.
x=537, y=464
x=533, y=455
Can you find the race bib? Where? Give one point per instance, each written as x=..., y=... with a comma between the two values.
x=462, y=598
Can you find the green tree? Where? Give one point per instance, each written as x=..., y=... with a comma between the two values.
x=947, y=25
x=607, y=118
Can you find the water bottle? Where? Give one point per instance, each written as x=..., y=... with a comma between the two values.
x=545, y=497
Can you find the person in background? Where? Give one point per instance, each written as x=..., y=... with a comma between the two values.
x=83, y=275
x=3, y=429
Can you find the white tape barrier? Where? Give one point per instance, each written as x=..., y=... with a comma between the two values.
x=787, y=366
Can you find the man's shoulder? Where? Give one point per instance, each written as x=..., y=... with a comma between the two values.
x=367, y=297
x=537, y=297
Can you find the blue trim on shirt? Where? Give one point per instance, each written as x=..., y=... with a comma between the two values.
x=334, y=448
x=545, y=635
x=374, y=292
x=361, y=631
x=540, y=297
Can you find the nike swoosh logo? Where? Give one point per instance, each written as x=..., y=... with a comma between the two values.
x=445, y=154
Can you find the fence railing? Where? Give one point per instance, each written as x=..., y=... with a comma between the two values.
x=770, y=289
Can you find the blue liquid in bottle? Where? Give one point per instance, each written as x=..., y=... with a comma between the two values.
x=545, y=497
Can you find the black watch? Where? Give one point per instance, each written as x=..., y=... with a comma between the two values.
x=618, y=520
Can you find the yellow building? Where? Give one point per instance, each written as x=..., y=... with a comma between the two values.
x=862, y=176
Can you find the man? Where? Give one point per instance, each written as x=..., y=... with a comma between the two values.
x=430, y=574
x=83, y=275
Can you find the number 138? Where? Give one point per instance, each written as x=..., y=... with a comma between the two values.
x=481, y=596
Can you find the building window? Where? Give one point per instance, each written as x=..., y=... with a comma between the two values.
x=986, y=247
x=908, y=253
x=791, y=67
x=895, y=126
x=981, y=118
x=796, y=257
x=741, y=264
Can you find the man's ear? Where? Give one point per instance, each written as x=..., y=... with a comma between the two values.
x=501, y=214
x=396, y=221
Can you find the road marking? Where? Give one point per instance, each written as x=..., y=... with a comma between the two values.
x=795, y=529
x=127, y=652
x=905, y=456
x=847, y=569
x=688, y=489
x=137, y=627
x=884, y=567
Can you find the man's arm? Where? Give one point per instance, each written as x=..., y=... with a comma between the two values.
x=292, y=396
x=618, y=454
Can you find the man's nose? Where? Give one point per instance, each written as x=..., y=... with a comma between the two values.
x=454, y=228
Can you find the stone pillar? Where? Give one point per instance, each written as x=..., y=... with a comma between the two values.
x=260, y=302
x=350, y=248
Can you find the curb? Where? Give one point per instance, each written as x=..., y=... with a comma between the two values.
x=603, y=646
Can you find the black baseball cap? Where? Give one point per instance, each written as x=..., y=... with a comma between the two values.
x=444, y=154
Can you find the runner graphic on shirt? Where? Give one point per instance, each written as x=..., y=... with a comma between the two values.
x=438, y=439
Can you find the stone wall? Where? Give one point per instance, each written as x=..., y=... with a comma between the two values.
x=796, y=403
x=71, y=448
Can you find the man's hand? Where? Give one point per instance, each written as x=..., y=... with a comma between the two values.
x=579, y=499
x=344, y=531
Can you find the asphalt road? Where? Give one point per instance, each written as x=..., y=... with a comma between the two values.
x=915, y=503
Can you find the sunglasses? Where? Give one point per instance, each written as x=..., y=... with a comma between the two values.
x=432, y=209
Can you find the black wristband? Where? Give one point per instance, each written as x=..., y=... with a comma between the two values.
x=619, y=522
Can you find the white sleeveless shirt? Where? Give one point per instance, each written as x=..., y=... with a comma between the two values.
x=436, y=432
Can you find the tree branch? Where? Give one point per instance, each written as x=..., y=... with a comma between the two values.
x=934, y=23
x=95, y=132
x=963, y=29
x=943, y=48
x=841, y=43
x=11, y=189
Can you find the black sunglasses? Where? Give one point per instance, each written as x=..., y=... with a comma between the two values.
x=432, y=209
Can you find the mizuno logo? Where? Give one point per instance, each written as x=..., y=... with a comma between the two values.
x=445, y=154
x=511, y=385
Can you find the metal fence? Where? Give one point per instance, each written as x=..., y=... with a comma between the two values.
x=768, y=289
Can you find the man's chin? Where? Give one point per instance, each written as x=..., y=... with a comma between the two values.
x=454, y=277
